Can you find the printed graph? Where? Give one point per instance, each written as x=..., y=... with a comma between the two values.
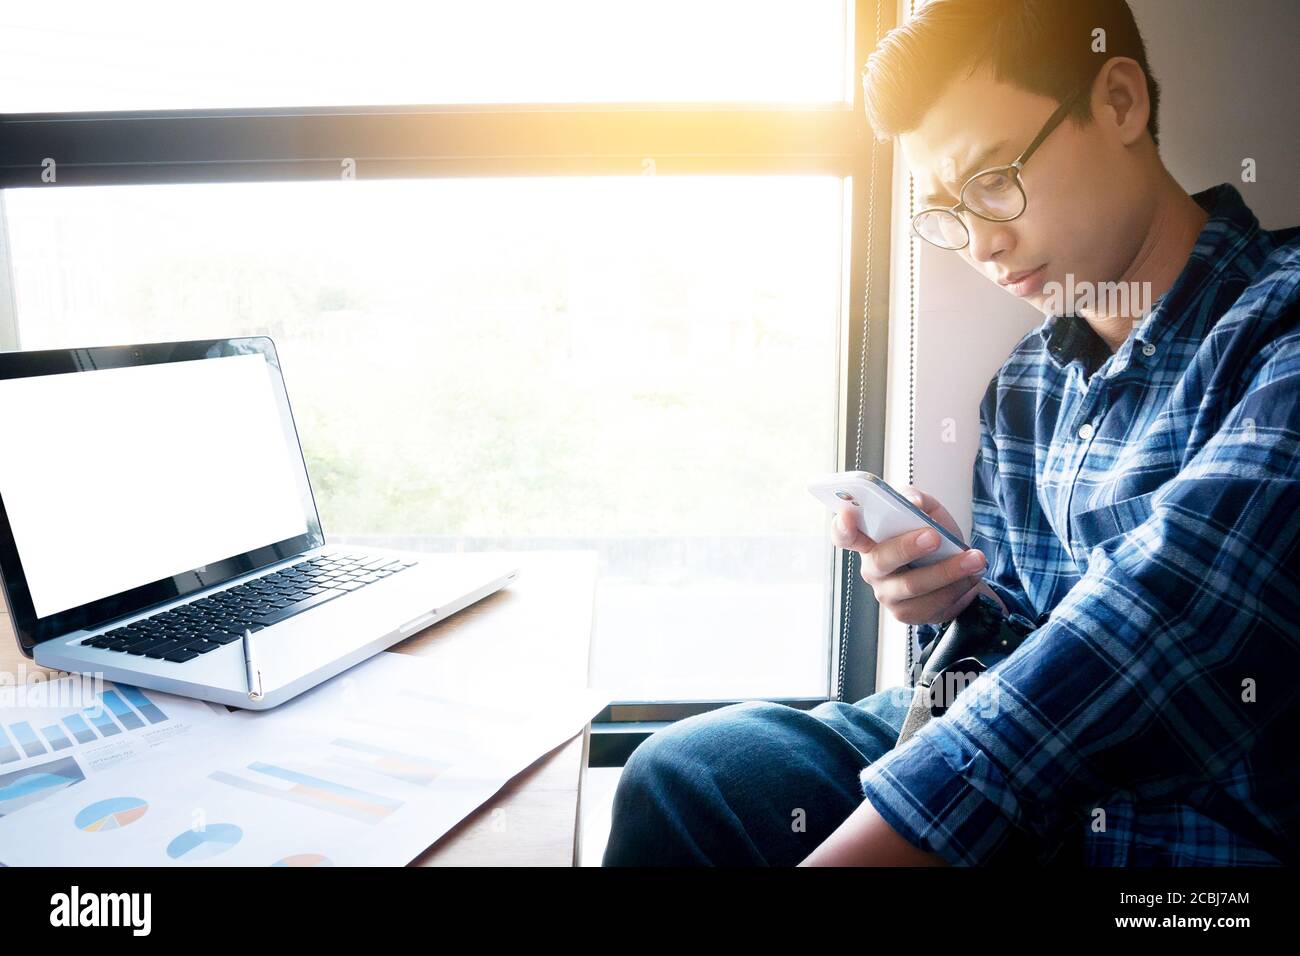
x=111, y=814
x=308, y=789
x=305, y=859
x=412, y=768
x=20, y=788
x=123, y=709
x=213, y=840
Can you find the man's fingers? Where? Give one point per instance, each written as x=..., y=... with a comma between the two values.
x=892, y=553
x=907, y=584
x=931, y=506
x=925, y=502
x=929, y=607
x=960, y=605
x=846, y=534
x=840, y=535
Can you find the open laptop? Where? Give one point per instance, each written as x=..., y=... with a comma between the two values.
x=155, y=506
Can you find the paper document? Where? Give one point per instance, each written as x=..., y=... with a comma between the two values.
x=55, y=734
x=369, y=768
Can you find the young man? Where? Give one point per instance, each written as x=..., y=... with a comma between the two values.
x=1136, y=495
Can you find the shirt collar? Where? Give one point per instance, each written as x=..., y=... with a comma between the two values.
x=1229, y=231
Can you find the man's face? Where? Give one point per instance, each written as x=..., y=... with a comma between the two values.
x=1088, y=206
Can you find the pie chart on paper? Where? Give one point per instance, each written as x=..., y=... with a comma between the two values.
x=111, y=814
x=213, y=840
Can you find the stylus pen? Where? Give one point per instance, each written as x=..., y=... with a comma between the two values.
x=254, y=675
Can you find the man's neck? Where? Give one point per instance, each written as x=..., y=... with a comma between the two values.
x=1175, y=226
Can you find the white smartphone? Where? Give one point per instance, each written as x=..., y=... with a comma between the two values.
x=883, y=512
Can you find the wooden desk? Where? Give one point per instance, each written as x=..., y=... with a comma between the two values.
x=536, y=633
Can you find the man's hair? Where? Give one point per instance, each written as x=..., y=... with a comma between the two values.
x=1043, y=46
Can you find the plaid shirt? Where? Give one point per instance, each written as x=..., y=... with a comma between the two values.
x=1142, y=508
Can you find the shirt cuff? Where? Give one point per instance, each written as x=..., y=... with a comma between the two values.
x=941, y=794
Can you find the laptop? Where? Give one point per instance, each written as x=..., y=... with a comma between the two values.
x=155, y=508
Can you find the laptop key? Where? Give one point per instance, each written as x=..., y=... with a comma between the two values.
x=208, y=635
x=162, y=650
x=223, y=638
x=181, y=656
x=287, y=611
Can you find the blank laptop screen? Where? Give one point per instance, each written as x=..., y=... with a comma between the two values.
x=120, y=477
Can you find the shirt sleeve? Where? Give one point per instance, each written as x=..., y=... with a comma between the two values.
x=1159, y=670
x=989, y=532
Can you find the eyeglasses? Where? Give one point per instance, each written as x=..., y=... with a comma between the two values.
x=996, y=194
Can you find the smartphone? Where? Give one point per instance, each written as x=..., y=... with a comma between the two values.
x=883, y=512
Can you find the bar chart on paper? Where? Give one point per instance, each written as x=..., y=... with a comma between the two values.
x=280, y=793
x=54, y=734
x=365, y=770
x=321, y=788
x=311, y=790
x=112, y=712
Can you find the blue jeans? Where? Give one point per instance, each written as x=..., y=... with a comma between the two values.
x=749, y=784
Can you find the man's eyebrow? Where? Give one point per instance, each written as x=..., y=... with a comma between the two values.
x=980, y=160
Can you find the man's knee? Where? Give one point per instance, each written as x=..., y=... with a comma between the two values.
x=691, y=747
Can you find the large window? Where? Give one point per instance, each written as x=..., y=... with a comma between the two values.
x=650, y=359
x=161, y=54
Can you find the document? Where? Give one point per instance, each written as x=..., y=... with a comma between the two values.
x=54, y=734
x=369, y=768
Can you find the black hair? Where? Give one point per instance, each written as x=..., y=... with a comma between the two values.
x=1043, y=46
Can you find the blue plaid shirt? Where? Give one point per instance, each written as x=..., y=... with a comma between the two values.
x=1142, y=508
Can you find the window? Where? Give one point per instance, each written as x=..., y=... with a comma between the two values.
x=553, y=328
x=90, y=55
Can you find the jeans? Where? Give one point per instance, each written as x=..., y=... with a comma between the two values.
x=749, y=784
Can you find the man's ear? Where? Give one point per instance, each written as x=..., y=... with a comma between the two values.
x=1120, y=99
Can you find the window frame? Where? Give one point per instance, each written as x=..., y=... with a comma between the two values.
x=528, y=139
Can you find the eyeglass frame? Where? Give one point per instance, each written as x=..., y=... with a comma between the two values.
x=1015, y=165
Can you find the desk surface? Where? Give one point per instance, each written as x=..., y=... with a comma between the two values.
x=534, y=633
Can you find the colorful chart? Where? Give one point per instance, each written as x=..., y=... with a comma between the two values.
x=412, y=768
x=307, y=789
x=111, y=814
x=213, y=840
x=21, y=788
x=20, y=739
x=305, y=859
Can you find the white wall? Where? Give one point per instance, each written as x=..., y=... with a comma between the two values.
x=1227, y=74
x=1228, y=77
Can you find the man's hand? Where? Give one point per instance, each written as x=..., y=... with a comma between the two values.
x=865, y=839
x=929, y=595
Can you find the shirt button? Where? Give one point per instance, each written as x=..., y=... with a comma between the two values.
x=1085, y=430
x=1148, y=349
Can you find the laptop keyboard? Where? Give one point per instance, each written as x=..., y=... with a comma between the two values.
x=189, y=630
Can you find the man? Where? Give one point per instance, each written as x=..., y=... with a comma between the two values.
x=1136, y=495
